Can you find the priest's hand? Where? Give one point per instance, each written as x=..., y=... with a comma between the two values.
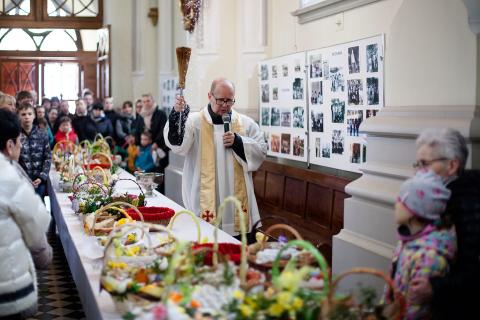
x=228, y=139
x=179, y=104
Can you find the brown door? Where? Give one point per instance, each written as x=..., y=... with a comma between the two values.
x=18, y=75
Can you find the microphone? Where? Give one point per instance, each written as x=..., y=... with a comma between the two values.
x=226, y=121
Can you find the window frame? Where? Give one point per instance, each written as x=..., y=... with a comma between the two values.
x=38, y=18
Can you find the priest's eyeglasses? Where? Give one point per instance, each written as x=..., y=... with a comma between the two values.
x=223, y=101
x=425, y=163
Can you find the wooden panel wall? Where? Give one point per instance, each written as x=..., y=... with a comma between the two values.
x=311, y=201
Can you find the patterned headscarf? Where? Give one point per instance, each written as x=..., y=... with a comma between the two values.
x=425, y=195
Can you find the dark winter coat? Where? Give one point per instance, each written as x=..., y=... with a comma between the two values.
x=35, y=156
x=104, y=126
x=456, y=295
x=85, y=128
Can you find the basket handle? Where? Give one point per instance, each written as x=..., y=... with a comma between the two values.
x=62, y=142
x=281, y=226
x=102, y=154
x=104, y=174
x=138, y=185
x=75, y=179
x=317, y=255
x=271, y=217
x=398, y=296
x=89, y=181
x=243, y=232
x=194, y=218
x=114, y=206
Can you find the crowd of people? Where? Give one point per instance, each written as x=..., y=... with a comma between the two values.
x=136, y=130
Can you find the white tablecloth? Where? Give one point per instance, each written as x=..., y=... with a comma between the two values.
x=85, y=271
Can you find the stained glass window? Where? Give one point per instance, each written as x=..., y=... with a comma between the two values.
x=38, y=39
x=15, y=7
x=77, y=8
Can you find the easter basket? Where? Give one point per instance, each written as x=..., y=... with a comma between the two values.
x=102, y=221
x=136, y=276
x=262, y=254
x=349, y=308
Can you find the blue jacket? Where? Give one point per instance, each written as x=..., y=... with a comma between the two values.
x=144, y=160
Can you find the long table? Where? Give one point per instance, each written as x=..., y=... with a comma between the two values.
x=86, y=271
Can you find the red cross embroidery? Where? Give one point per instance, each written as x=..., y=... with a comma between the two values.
x=208, y=216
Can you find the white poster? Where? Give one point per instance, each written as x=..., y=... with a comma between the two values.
x=345, y=87
x=169, y=90
x=283, y=106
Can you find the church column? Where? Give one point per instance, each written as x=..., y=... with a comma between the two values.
x=166, y=48
x=252, y=45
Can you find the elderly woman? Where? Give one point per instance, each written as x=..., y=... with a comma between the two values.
x=7, y=102
x=23, y=221
x=454, y=296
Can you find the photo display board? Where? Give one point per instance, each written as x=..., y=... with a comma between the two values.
x=333, y=90
x=283, y=106
x=345, y=87
x=169, y=90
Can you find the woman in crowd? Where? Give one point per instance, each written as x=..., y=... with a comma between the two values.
x=7, y=102
x=52, y=118
x=454, y=296
x=125, y=124
x=83, y=124
x=103, y=124
x=23, y=221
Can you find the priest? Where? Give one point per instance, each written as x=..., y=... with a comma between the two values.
x=222, y=148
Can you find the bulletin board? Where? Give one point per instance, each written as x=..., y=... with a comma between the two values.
x=283, y=106
x=312, y=103
x=169, y=90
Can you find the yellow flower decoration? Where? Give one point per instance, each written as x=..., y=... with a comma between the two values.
x=117, y=265
x=131, y=237
x=297, y=303
x=275, y=310
x=123, y=221
x=284, y=298
x=239, y=295
x=246, y=310
x=133, y=251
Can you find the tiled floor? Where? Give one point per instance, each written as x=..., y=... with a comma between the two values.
x=57, y=296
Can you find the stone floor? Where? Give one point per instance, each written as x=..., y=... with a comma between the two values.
x=57, y=293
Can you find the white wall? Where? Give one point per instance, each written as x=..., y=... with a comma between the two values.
x=430, y=50
x=117, y=13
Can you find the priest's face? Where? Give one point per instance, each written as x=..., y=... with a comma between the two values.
x=222, y=98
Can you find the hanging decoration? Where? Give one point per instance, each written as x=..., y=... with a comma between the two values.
x=191, y=12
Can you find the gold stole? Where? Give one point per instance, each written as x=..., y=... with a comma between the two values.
x=208, y=174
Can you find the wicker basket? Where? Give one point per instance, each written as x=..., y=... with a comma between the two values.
x=134, y=264
x=194, y=218
x=154, y=215
x=396, y=310
x=101, y=215
x=253, y=249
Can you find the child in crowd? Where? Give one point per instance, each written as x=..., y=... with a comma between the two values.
x=35, y=156
x=43, y=124
x=65, y=131
x=425, y=248
x=144, y=161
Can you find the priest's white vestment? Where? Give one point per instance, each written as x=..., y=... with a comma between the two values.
x=255, y=149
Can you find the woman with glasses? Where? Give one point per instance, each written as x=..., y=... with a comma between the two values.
x=221, y=147
x=454, y=296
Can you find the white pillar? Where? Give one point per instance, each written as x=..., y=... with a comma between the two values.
x=166, y=48
x=252, y=23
